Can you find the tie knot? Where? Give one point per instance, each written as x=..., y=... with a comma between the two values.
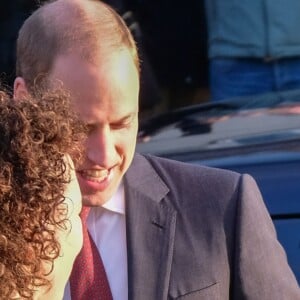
x=84, y=213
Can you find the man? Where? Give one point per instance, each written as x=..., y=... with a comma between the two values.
x=164, y=229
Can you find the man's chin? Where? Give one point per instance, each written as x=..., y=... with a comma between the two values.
x=94, y=200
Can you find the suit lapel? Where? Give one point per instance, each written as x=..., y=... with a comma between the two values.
x=150, y=232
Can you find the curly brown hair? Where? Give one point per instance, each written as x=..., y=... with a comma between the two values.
x=35, y=136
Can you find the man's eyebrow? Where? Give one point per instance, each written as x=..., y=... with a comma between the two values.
x=125, y=118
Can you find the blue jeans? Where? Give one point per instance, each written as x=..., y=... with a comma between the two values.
x=231, y=78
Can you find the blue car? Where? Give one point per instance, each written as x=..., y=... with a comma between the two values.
x=256, y=135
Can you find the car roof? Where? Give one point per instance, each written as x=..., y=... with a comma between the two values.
x=265, y=122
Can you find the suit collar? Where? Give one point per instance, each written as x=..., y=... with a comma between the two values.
x=150, y=225
x=143, y=179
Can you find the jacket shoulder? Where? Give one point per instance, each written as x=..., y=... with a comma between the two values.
x=190, y=184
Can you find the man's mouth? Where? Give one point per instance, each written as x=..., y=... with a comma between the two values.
x=95, y=175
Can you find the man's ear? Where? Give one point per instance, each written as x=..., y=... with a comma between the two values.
x=20, y=89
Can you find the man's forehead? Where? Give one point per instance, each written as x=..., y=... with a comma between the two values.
x=103, y=56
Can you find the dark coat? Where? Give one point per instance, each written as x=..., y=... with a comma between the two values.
x=200, y=233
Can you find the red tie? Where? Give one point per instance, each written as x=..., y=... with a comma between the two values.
x=88, y=279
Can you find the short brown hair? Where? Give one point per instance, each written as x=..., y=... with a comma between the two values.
x=89, y=27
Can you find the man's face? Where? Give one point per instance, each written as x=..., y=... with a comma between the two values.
x=105, y=94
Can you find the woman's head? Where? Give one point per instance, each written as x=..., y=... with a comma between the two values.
x=36, y=136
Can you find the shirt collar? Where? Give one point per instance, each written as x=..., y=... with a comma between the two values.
x=117, y=202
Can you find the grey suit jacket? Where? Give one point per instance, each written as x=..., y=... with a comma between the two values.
x=200, y=233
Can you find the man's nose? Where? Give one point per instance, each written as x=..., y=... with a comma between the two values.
x=101, y=149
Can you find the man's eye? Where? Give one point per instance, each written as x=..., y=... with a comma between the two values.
x=119, y=125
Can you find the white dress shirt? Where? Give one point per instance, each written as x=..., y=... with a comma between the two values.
x=107, y=227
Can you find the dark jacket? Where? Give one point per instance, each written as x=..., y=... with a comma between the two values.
x=200, y=233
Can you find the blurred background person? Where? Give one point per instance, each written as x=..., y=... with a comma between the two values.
x=254, y=46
